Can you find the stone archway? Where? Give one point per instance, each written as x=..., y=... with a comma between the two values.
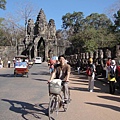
x=41, y=48
x=41, y=39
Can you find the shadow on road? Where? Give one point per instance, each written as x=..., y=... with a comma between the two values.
x=12, y=75
x=116, y=108
x=82, y=79
x=6, y=75
x=110, y=98
x=25, y=108
x=40, y=79
x=79, y=88
x=41, y=73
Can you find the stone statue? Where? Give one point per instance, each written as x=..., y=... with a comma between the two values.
x=83, y=55
x=52, y=29
x=96, y=54
x=91, y=55
x=30, y=27
x=86, y=55
x=108, y=53
x=100, y=54
x=118, y=51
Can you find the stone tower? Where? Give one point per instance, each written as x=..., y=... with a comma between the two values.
x=42, y=40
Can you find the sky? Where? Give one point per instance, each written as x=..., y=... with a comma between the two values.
x=55, y=9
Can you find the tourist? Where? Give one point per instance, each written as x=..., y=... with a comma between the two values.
x=108, y=63
x=118, y=74
x=9, y=62
x=111, y=77
x=1, y=63
x=91, y=74
x=62, y=71
x=78, y=65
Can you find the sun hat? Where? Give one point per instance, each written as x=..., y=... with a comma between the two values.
x=113, y=62
x=91, y=60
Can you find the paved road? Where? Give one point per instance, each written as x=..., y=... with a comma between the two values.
x=19, y=95
x=24, y=98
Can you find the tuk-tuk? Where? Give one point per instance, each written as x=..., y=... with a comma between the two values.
x=21, y=66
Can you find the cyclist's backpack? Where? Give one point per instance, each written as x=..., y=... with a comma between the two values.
x=90, y=70
x=112, y=72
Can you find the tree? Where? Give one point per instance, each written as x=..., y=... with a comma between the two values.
x=13, y=24
x=111, y=10
x=72, y=22
x=94, y=34
x=116, y=27
x=26, y=11
x=97, y=21
x=117, y=21
x=3, y=4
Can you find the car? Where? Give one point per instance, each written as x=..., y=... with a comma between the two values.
x=38, y=60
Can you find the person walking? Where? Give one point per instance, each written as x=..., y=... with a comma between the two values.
x=78, y=65
x=108, y=63
x=9, y=62
x=91, y=74
x=112, y=77
x=62, y=71
x=118, y=74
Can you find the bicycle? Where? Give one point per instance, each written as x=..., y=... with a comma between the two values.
x=56, y=100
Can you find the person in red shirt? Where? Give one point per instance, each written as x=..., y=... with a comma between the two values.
x=118, y=73
x=108, y=63
x=51, y=66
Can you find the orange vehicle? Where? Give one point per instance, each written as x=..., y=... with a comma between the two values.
x=21, y=67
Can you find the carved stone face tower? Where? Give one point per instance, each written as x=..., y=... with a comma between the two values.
x=41, y=24
x=46, y=33
x=42, y=40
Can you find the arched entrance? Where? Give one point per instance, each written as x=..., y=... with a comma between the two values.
x=41, y=48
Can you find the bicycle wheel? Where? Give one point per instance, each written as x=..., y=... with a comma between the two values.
x=53, y=107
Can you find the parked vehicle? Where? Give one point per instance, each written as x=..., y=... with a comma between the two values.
x=38, y=60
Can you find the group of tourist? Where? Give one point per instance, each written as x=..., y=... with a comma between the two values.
x=112, y=74
x=20, y=63
x=61, y=70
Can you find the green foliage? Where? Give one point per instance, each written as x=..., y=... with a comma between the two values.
x=72, y=21
x=3, y=4
x=97, y=21
x=117, y=19
x=116, y=27
x=92, y=32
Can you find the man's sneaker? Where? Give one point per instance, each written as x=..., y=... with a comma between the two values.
x=91, y=90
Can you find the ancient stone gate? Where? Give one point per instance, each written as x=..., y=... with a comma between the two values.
x=41, y=39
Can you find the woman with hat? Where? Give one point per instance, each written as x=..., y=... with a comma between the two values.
x=118, y=73
x=111, y=77
x=91, y=74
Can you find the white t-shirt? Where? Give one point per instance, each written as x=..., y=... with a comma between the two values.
x=9, y=61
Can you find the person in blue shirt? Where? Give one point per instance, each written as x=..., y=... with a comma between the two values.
x=24, y=63
x=17, y=62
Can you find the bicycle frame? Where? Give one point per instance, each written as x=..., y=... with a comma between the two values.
x=55, y=103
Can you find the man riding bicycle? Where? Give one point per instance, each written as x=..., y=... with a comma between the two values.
x=62, y=71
